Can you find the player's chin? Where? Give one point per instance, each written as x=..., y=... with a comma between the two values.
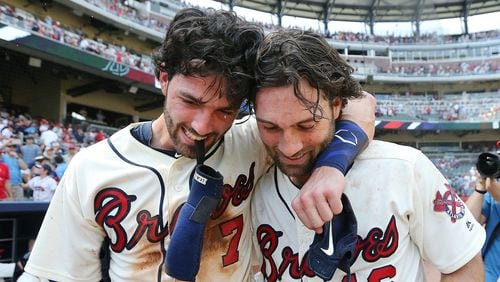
x=293, y=170
x=187, y=151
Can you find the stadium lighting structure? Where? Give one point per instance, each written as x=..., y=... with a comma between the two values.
x=77, y=116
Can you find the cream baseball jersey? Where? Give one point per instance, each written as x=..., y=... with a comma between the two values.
x=131, y=193
x=405, y=210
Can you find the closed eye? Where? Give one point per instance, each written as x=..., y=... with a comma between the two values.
x=227, y=112
x=307, y=125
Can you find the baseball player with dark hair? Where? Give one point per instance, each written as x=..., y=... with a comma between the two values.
x=403, y=209
x=131, y=192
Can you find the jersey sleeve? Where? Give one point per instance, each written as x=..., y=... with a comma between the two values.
x=442, y=227
x=68, y=226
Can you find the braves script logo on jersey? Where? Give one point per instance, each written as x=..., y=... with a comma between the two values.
x=450, y=203
x=376, y=245
x=112, y=207
x=237, y=193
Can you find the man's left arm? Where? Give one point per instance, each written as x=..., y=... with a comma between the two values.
x=471, y=271
x=319, y=198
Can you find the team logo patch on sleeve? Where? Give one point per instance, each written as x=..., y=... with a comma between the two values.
x=450, y=203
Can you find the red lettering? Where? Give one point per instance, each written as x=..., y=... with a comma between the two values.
x=377, y=274
x=378, y=244
x=112, y=205
x=227, y=228
x=106, y=202
x=268, y=240
x=235, y=194
x=152, y=225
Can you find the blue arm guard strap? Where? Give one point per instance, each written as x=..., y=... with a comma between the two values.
x=348, y=142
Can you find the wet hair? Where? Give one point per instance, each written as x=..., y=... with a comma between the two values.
x=211, y=42
x=286, y=57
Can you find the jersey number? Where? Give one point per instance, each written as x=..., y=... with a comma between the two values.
x=227, y=228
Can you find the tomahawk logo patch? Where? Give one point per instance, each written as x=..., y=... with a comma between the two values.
x=450, y=203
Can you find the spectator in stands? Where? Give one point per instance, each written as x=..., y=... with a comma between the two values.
x=48, y=136
x=484, y=203
x=43, y=185
x=8, y=131
x=79, y=135
x=16, y=164
x=61, y=166
x=72, y=150
x=44, y=125
x=100, y=135
x=30, y=150
x=5, y=186
x=56, y=146
x=49, y=154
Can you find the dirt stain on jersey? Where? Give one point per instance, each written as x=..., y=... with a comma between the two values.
x=149, y=255
x=214, y=248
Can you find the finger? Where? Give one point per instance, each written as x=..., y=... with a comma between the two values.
x=324, y=210
x=318, y=230
x=335, y=205
x=307, y=212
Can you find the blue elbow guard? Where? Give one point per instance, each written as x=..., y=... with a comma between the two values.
x=184, y=250
x=348, y=141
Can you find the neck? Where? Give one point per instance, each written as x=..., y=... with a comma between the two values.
x=161, y=138
x=299, y=181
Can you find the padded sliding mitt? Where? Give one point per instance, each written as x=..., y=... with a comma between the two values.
x=184, y=250
x=334, y=248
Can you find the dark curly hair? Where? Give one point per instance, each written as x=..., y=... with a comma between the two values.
x=207, y=42
x=288, y=56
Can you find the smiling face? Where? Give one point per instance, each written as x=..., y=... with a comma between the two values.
x=195, y=110
x=291, y=133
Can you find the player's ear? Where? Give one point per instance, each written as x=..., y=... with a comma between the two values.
x=163, y=82
x=336, y=107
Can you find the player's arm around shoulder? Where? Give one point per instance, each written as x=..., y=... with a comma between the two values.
x=362, y=112
x=319, y=198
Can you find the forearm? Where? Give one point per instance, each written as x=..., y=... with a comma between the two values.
x=475, y=203
x=22, y=164
x=472, y=271
x=362, y=112
x=10, y=193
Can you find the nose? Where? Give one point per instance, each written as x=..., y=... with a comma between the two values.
x=290, y=144
x=202, y=122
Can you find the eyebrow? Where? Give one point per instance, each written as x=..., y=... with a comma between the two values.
x=299, y=122
x=199, y=101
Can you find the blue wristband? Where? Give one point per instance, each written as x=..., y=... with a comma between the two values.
x=347, y=143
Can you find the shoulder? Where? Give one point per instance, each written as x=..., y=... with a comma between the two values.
x=386, y=150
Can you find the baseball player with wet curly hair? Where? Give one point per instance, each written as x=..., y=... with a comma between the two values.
x=401, y=210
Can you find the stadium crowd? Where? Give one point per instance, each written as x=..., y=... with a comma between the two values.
x=36, y=153
x=75, y=37
x=463, y=107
